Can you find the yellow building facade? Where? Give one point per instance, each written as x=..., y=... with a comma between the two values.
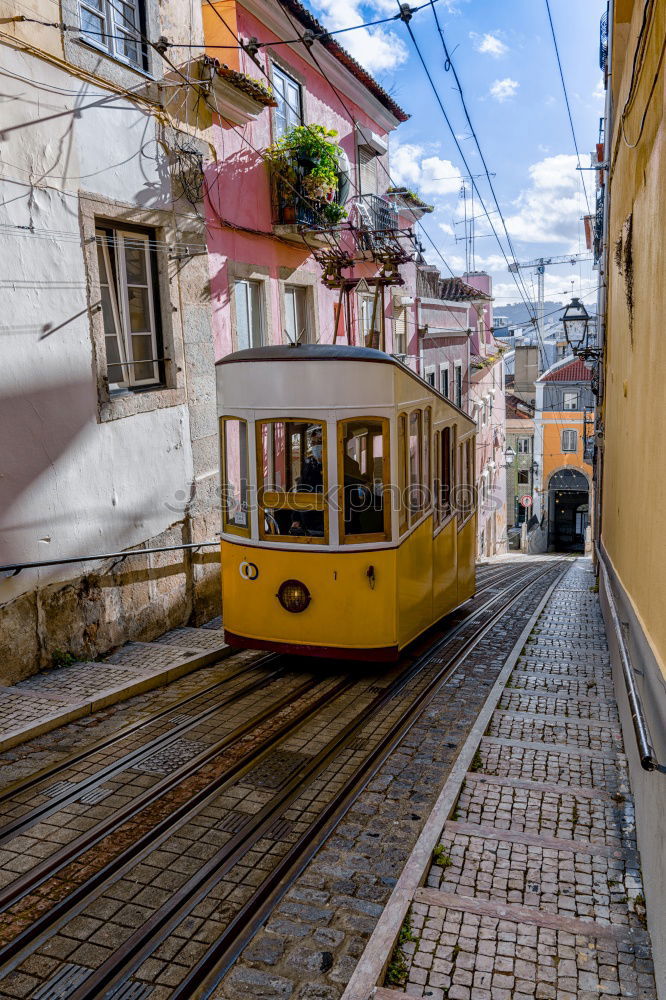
x=631, y=421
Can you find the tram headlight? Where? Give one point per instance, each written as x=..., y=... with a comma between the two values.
x=294, y=596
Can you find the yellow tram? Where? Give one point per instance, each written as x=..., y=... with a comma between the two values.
x=348, y=521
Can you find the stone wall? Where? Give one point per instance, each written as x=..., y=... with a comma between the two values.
x=133, y=598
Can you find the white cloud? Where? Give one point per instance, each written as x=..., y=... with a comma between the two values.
x=599, y=92
x=502, y=90
x=447, y=229
x=549, y=209
x=377, y=49
x=432, y=175
x=489, y=45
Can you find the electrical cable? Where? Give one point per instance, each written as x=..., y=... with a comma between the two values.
x=462, y=155
x=566, y=99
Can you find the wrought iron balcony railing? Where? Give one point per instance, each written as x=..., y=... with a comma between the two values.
x=375, y=213
x=603, y=41
x=294, y=205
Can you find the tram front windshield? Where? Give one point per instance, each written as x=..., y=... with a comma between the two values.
x=292, y=466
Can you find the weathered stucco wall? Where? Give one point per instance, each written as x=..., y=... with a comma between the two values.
x=83, y=474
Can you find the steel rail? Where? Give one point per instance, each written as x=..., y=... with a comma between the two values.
x=646, y=752
x=49, y=866
x=24, y=784
x=40, y=812
x=142, y=942
x=241, y=929
x=166, y=828
x=50, y=920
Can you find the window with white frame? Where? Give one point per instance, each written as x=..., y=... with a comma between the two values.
x=130, y=307
x=249, y=314
x=430, y=375
x=570, y=401
x=365, y=309
x=400, y=330
x=444, y=380
x=457, y=376
x=523, y=446
x=569, y=440
x=116, y=27
x=296, y=315
x=289, y=110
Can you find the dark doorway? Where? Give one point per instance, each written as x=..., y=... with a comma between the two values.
x=568, y=514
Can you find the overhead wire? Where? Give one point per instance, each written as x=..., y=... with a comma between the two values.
x=566, y=100
x=440, y=103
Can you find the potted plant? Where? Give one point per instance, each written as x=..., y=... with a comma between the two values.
x=306, y=157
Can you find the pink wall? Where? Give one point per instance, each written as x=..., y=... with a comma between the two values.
x=239, y=193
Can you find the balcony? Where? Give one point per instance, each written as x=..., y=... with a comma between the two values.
x=603, y=41
x=295, y=211
x=375, y=213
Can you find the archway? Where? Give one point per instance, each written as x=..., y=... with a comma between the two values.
x=568, y=510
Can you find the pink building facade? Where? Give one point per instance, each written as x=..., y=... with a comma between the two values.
x=266, y=273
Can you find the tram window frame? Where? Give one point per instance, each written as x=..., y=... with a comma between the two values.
x=229, y=526
x=296, y=501
x=403, y=523
x=374, y=536
x=426, y=458
x=465, y=479
x=415, y=512
x=443, y=485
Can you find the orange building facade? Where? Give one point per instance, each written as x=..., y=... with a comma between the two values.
x=563, y=473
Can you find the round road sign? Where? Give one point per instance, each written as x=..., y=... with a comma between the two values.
x=526, y=501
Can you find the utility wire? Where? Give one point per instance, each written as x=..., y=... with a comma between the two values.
x=440, y=103
x=449, y=62
x=566, y=99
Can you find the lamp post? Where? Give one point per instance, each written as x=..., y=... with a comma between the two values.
x=576, y=323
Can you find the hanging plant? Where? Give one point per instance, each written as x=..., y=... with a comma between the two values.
x=306, y=153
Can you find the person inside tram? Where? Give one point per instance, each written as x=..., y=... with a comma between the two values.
x=311, y=480
x=363, y=499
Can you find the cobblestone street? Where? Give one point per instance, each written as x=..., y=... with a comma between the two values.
x=535, y=889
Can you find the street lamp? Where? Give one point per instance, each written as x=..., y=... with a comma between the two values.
x=576, y=320
x=509, y=455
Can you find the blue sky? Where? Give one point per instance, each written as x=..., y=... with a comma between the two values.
x=504, y=56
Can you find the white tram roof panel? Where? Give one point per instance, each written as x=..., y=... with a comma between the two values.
x=361, y=378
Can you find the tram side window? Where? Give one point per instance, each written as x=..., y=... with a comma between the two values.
x=364, y=460
x=291, y=456
x=402, y=471
x=427, y=471
x=445, y=484
x=415, y=495
x=235, y=476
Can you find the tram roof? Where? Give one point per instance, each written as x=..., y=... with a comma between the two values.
x=332, y=352
x=309, y=352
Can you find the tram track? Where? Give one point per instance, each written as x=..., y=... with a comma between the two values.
x=247, y=837
x=49, y=866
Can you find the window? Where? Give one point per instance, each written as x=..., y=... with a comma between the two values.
x=289, y=110
x=570, y=401
x=367, y=171
x=402, y=471
x=297, y=324
x=523, y=477
x=569, y=440
x=523, y=446
x=363, y=470
x=291, y=458
x=444, y=380
x=130, y=308
x=249, y=314
x=115, y=27
x=427, y=471
x=400, y=331
x=457, y=375
x=365, y=310
x=444, y=474
x=430, y=376
x=234, y=475
x=415, y=495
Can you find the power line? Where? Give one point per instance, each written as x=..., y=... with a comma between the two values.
x=566, y=98
x=450, y=64
x=460, y=151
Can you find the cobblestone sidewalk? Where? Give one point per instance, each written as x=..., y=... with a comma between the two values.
x=48, y=700
x=535, y=888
